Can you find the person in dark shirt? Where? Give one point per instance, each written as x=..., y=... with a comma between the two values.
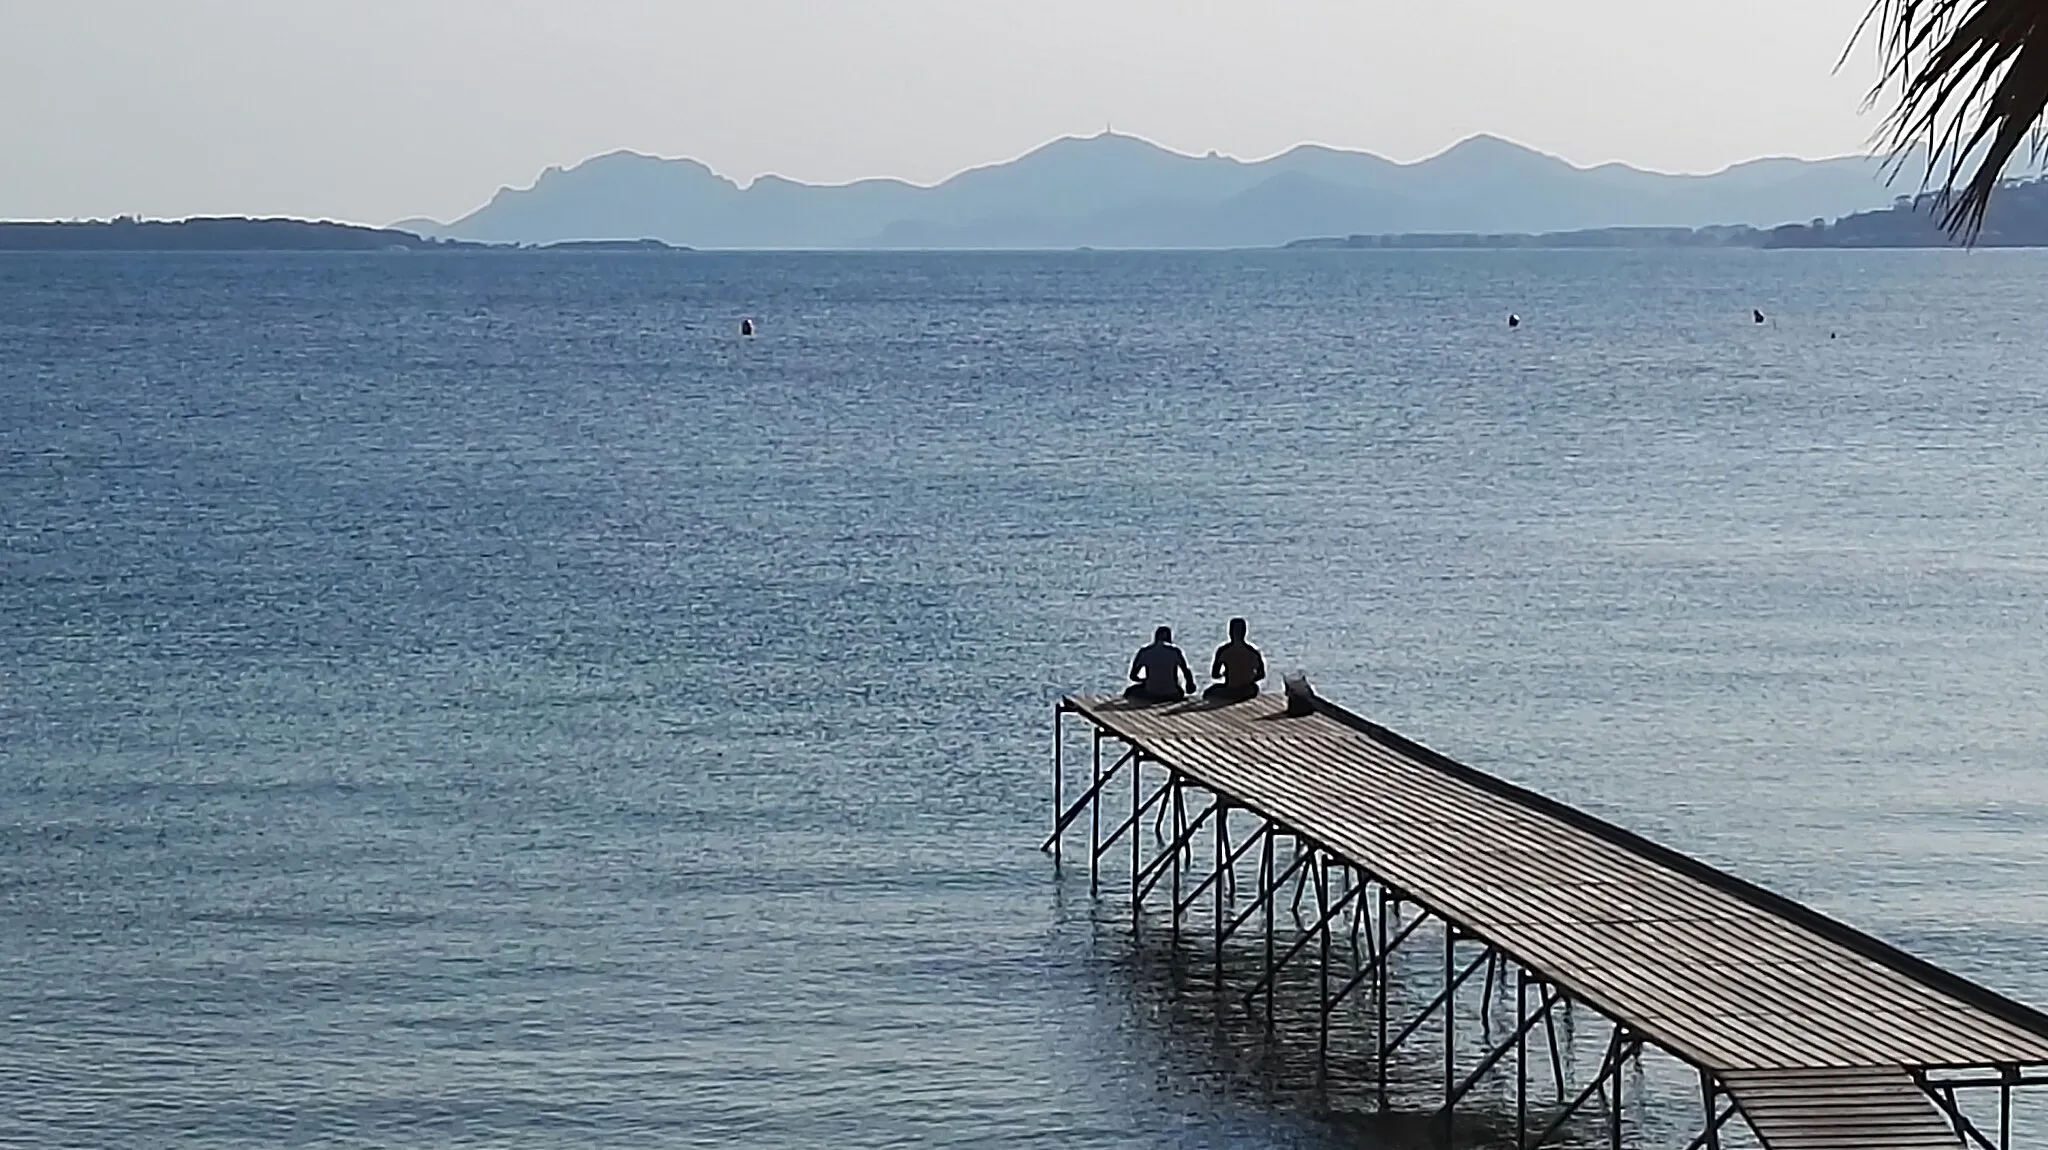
x=1239, y=665
x=1158, y=671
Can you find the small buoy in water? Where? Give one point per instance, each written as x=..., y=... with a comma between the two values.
x=746, y=327
x=1756, y=315
x=1514, y=320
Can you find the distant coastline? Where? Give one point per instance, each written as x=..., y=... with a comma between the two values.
x=1733, y=236
x=244, y=234
x=2018, y=219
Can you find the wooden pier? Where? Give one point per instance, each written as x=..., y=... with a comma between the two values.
x=1817, y=1035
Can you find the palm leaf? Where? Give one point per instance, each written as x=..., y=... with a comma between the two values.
x=1971, y=78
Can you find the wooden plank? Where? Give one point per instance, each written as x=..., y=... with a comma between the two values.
x=1875, y=1109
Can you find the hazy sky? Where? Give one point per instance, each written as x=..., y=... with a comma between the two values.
x=374, y=110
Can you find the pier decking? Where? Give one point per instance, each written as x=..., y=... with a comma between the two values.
x=1818, y=1035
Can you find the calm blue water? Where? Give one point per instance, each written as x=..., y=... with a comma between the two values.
x=481, y=701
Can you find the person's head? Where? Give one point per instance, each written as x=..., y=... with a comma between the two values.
x=1237, y=630
x=1163, y=635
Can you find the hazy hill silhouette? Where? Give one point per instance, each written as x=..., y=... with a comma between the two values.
x=1121, y=191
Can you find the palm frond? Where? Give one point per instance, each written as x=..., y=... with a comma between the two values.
x=1971, y=78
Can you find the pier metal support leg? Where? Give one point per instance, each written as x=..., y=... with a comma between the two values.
x=1521, y=1056
x=1137, y=842
x=1170, y=862
x=1217, y=877
x=1619, y=1048
x=1059, y=778
x=1173, y=849
x=1515, y=1042
x=1450, y=1023
x=1386, y=960
x=1486, y=998
x=1443, y=1000
x=2007, y=1075
x=1269, y=889
x=1309, y=935
x=1944, y=1097
x=1221, y=833
x=1089, y=804
x=1710, y=1138
x=1267, y=893
x=1301, y=851
x=1358, y=912
x=1325, y=913
x=1376, y=968
x=1556, y=1056
x=1614, y=1110
x=1095, y=824
x=1230, y=856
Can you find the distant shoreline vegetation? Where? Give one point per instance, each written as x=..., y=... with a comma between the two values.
x=243, y=234
x=2018, y=219
x=1736, y=236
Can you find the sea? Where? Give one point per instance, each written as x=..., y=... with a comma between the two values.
x=481, y=700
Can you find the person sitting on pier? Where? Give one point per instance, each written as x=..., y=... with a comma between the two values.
x=1239, y=665
x=1158, y=671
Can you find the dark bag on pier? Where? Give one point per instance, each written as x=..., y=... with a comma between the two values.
x=1301, y=698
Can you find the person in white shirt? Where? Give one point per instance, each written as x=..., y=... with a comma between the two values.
x=1159, y=670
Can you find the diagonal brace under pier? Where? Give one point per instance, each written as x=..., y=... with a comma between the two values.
x=1080, y=805
x=1320, y=927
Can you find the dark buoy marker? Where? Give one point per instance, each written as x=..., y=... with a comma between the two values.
x=746, y=327
x=1514, y=320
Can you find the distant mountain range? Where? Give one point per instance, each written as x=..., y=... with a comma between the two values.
x=1115, y=191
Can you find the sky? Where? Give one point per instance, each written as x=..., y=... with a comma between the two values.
x=378, y=110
